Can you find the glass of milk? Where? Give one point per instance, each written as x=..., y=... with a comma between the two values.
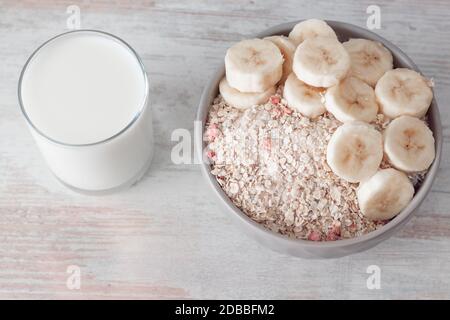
x=84, y=95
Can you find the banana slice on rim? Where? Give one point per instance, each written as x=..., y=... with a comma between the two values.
x=385, y=194
x=287, y=49
x=369, y=60
x=301, y=97
x=403, y=92
x=355, y=151
x=243, y=100
x=321, y=62
x=409, y=144
x=352, y=99
x=253, y=65
x=310, y=29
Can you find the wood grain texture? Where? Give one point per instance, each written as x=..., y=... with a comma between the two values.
x=165, y=237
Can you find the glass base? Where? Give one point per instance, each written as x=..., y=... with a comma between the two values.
x=134, y=180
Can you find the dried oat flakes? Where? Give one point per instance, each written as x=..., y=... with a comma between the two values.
x=271, y=162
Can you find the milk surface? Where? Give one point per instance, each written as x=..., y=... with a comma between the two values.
x=83, y=88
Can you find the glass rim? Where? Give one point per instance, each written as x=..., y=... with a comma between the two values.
x=121, y=131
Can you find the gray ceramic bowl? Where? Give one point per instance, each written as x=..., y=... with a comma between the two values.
x=304, y=248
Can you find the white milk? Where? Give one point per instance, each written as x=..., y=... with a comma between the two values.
x=84, y=94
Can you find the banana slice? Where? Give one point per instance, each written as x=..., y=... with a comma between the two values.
x=409, y=144
x=287, y=49
x=243, y=100
x=352, y=99
x=310, y=29
x=305, y=99
x=253, y=65
x=403, y=92
x=369, y=59
x=321, y=62
x=355, y=151
x=385, y=194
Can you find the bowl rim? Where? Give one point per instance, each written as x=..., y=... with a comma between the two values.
x=397, y=221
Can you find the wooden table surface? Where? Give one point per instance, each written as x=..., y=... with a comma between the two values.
x=166, y=237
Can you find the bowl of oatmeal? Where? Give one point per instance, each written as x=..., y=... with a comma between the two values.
x=307, y=143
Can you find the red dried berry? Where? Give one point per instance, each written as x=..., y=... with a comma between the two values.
x=314, y=236
x=331, y=236
x=212, y=132
x=287, y=110
x=275, y=99
x=267, y=143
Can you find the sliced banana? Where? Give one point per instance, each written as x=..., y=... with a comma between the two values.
x=369, y=59
x=310, y=29
x=243, y=100
x=409, y=144
x=385, y=194
x=355, y=151
x=287, y=49
x=301, y=97
x=253, y=65
x=403, y=92
x=321, y=62
x=352, y=99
